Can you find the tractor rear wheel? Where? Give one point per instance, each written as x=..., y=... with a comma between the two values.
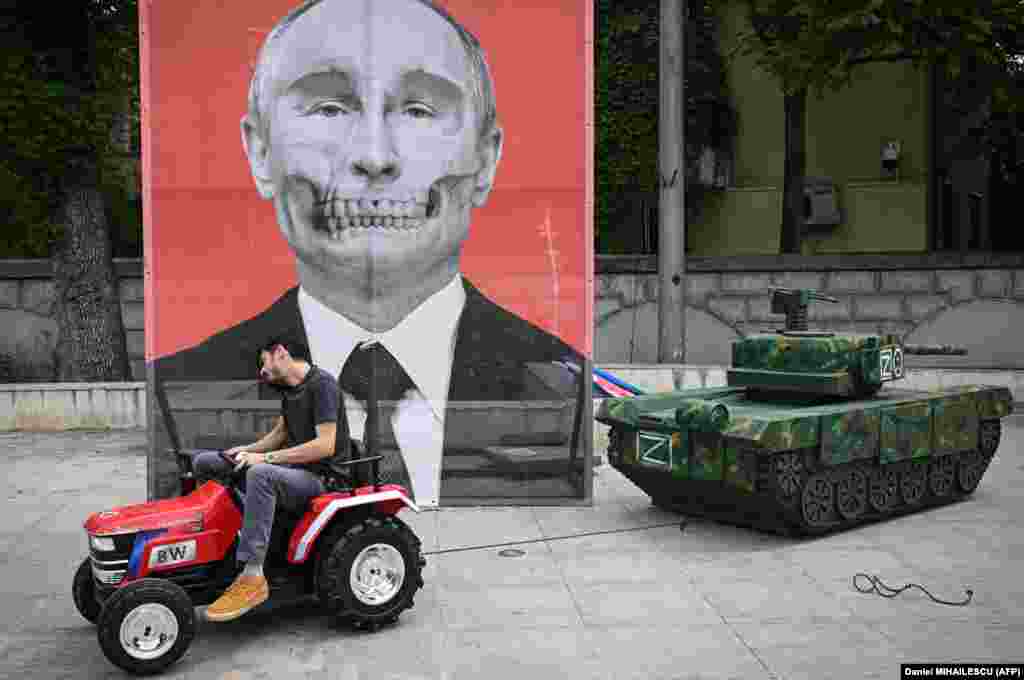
x=368, y=572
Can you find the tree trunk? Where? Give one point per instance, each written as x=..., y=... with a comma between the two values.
x=91, y=345
x=795, y=171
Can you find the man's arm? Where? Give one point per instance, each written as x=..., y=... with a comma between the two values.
x=325, y=415
x=311, y=451
x=269, y=442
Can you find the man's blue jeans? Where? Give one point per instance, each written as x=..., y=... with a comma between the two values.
x=266, y=485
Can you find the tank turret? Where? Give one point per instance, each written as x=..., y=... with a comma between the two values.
x=795, y=359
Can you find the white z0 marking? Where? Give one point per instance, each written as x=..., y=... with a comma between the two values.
x=890, y=362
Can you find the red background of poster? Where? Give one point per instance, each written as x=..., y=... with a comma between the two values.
x=214, y=254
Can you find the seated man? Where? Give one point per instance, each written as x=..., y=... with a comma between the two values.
x=288, y=465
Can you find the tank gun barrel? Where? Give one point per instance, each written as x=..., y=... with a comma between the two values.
x=934, y=350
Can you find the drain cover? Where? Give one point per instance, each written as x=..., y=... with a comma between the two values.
x=511, y=552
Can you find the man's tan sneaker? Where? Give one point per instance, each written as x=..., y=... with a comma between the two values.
x=245, y=593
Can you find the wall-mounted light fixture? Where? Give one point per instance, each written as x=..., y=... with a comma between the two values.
x=891, y=152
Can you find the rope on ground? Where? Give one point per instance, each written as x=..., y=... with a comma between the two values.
x=585, y=534
x=887, y=591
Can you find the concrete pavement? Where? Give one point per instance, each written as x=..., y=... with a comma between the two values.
x=643, y=594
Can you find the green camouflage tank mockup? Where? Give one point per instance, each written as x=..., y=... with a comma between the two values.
x=804, y=439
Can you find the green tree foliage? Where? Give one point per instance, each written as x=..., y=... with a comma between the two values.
x=626, y=116
x=67, y=79
x=626, y=94
x=816, y=45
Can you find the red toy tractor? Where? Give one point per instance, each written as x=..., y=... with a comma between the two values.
x=150, y=564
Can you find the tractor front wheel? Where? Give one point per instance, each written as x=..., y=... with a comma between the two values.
x=146, y=626
x=368, y=573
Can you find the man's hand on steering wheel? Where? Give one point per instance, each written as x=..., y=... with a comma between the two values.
x=244, y=458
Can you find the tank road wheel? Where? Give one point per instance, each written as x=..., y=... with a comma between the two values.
x=883, y=488
x=989, y=435
x=913, y=482
x=941, y=475
x=852, y=493
x=969, y=470
x=789, y=474
x=818, y=500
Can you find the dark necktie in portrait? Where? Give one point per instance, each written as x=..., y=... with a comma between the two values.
x=373, y=132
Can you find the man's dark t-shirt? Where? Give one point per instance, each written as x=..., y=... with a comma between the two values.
x=312, y=402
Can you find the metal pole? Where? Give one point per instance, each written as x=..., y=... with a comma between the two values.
x=672, y=176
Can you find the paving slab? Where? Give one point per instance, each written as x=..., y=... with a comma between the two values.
x=670, y=653
x=469, y=527
x=527, y=565
x=955, y=641
x=671, y=603
x=793, y=598
x=533, y=654
x=794, y=650
x=610, y=560
x=506, y=607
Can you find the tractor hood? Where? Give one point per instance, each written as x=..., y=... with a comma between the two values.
x=191, y=513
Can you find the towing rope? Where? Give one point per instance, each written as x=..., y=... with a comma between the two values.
x=681, y=525
x=878, y=587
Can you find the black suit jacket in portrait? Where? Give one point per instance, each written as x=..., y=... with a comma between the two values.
x=498, y=357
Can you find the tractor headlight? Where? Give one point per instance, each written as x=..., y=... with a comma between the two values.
x=102, y=543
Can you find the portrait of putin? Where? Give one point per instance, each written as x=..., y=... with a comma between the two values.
x=372, y=128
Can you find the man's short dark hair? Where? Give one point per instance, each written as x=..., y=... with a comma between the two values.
x=296, y=348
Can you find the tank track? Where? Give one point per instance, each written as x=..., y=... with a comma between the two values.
x=838, y=497
x=796, y=495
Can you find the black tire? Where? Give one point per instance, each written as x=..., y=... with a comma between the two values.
x=130, y=600
x=337, y=558
x=83, y=590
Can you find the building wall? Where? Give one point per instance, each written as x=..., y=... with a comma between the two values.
x=974, y=302
x=28, y=343
x=846, y=130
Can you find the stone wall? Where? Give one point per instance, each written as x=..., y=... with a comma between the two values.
x=974, y=302
x=29, y=340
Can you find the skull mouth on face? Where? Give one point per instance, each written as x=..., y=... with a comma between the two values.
x=336, y=213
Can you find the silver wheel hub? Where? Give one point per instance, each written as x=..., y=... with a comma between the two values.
x=149, y=631
x=378, y=573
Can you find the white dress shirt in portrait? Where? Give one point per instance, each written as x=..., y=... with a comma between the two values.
x=423, y=343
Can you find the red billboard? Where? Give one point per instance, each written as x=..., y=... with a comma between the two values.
x=402, y=171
